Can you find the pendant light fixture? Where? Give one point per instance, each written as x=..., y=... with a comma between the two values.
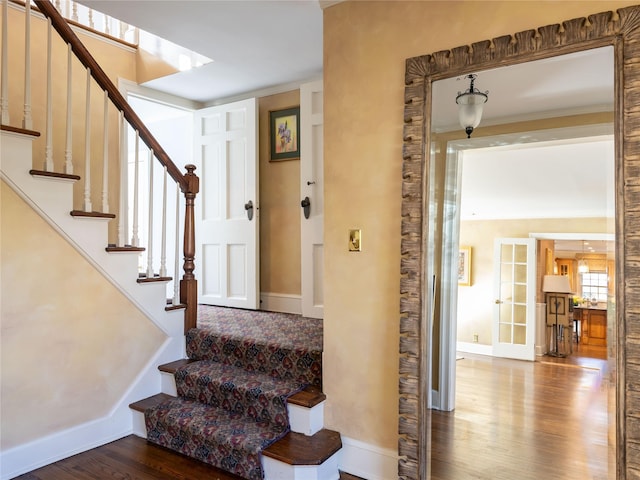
x=583, y=265
x=470, y=105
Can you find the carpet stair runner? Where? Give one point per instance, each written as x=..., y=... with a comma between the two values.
x=232, y=408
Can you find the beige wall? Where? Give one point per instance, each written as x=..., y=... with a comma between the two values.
x=279, y=208
x=475, y=303
x=365, y=48
x=70, y=343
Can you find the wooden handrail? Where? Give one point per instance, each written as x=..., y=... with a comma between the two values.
x=101, y=78
x=189, y=182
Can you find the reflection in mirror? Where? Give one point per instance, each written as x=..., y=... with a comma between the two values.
x=432, y=226
x=547, y=168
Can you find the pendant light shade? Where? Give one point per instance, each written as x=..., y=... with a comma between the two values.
x=470, y=106
x=583, y=265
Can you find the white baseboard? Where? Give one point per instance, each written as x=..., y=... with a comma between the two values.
x=118, y=423
x=368, y=461
x=478, y=348
x=281, y=302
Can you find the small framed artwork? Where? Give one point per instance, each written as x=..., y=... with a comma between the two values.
x=284, y=134
x=464, y=266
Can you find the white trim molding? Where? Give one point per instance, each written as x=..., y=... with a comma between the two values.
x=281, y=302
x=477, y=348
x=368, y=461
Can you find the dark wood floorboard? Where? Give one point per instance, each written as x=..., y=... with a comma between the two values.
x=513, y=420
x=547, y=419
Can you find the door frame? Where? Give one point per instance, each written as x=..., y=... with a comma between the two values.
x=444, y=398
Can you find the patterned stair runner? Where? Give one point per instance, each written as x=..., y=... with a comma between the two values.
x=280, y=361
x=232, y=401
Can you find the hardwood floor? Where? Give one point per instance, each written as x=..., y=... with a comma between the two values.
x=542, y=420
x=513, y=420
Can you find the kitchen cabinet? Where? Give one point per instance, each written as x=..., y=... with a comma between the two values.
x=565, y=267
x=593, y=325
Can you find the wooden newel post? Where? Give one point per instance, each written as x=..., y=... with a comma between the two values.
x=188, y=284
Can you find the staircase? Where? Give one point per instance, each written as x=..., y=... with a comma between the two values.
x=230, y=414
x=246, y=407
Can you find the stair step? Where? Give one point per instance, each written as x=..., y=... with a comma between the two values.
x=286, y=361
x=24, y=131
x=156, y=278
x=282, y=459
x=125, y=249
x=83, y=214
x=308, y=397
x=298, y=449
x=227, y=440
x=62, y=176
x=154, y=400
x=256, y=395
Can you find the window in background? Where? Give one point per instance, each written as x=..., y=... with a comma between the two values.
x=595, y=285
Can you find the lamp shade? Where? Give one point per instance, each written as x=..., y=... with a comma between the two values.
x=556, y=284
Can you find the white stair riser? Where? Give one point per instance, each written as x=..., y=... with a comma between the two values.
x=276, y=470
x=139, y=427
x=307, y=421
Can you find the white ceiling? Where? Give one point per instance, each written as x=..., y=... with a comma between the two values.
x=261, y=44
x=254, y=44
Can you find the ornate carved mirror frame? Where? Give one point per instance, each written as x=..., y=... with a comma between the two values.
x=618, y=29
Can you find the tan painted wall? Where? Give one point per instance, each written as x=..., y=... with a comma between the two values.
x=70, y=343
x=279, y=208
x=475, y=303
x=366, y=44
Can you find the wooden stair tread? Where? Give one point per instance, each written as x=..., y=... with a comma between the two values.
x=309, y=397
x=80, y=213
x=126, y=248
x=177, y=306
x=172, y=367
x=25, y=131
x=43, y=173
x=299, y=449
x=142, y=405
x=153, y=279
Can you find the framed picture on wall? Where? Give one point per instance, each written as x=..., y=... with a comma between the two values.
x=284, y=134
x=464, y=266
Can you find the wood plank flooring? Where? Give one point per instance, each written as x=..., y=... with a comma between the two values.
x=527, y=421
x=513, y=420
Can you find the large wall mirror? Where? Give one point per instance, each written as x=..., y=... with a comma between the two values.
x=424, y=240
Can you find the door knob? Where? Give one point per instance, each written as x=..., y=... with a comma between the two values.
x=306, y=207
x=249, y=208
x=498, y=302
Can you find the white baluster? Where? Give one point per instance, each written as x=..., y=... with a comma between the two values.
x=123, y=218
x=176, y=276
x=87, y=147
x=134, y=235
x=68, y=149
x=91, y=24
x=150, y=230
x=27, y=121
x=163, y=249
x=74, y=11
x=4, y=95
x=48, y=149
x=57, y=5
x=105, y=158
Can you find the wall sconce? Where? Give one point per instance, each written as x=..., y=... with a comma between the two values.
x=470, y=105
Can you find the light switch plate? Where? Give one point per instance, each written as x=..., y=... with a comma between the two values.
x=355, y=240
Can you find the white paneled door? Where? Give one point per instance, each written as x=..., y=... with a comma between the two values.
x=227, y=249
x=515, y=302
x=312, y=194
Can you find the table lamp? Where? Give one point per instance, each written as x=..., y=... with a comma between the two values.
x=558, y=285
